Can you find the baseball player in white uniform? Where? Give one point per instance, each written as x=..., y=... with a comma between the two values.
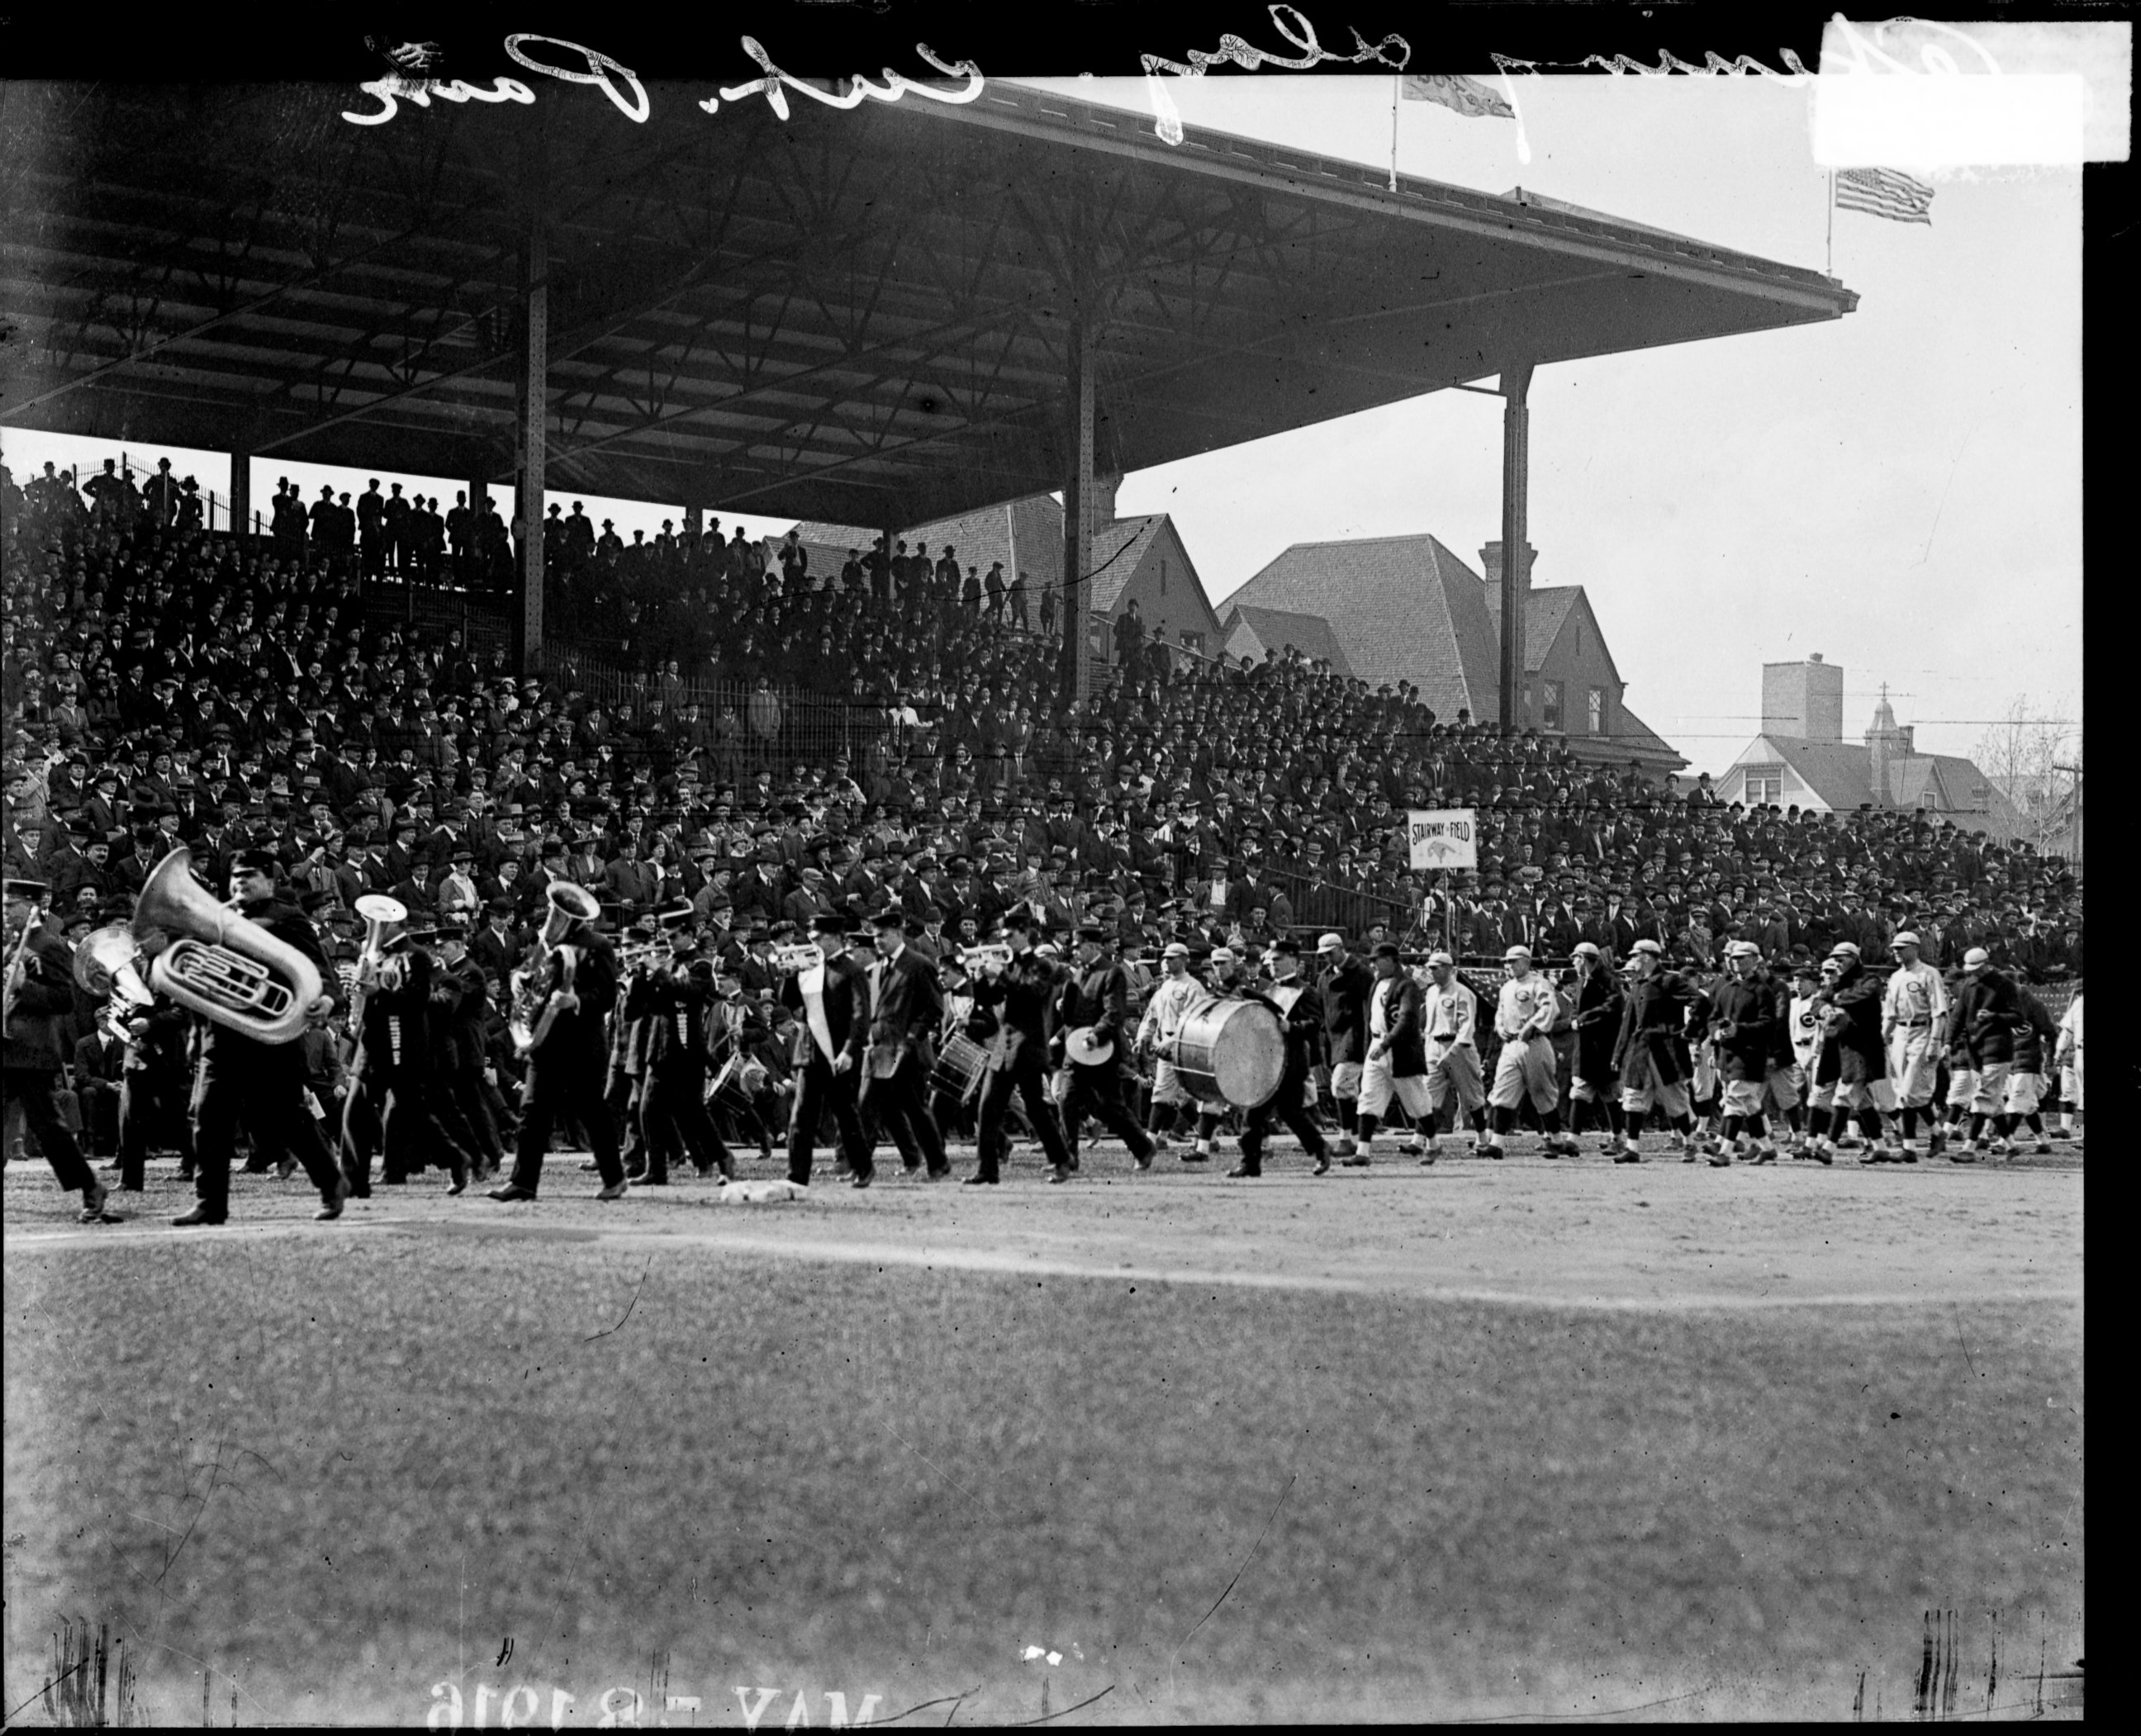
x=1805, y=1018
x=2066, y=1056
x=1913, y=1018
x=1452, y=1052
x=1172, y=1001
x=1524, y=1014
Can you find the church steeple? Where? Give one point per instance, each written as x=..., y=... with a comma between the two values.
x=1886, y=742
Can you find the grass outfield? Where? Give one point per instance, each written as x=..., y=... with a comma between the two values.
x=337, y=1468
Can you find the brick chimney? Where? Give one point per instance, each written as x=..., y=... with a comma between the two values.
x=1104, y=498
x=1490, y=561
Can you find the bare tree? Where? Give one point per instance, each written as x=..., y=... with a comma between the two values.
x=2033, y=758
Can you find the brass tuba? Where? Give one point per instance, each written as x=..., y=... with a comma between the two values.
x=550, y=966
x=220, y=963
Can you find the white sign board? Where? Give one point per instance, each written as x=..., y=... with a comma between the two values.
x=1442, y=838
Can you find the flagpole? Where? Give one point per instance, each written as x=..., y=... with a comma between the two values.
x=1828, y=242
x=1397, y=92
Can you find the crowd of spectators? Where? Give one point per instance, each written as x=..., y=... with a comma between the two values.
x=165, y=683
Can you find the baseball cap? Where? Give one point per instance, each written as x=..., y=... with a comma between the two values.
x=1905, y=939
x=1582, y=949
x=1174, y=949
x=1443, y=958
x=1651, y=947
x=1975, y=956
x=1519, y=952
x=1330, y=943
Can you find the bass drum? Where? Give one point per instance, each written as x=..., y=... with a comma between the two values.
x=1233, y=1051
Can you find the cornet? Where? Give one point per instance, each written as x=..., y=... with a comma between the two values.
x=795, y=957
x=223, y=966
x=990, y=957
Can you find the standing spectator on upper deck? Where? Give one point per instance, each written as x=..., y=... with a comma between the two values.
x=372, y=530
x=1129, y=637
x=394, y=515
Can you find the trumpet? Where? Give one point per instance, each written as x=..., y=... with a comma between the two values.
x=991, y=956
x=795, y=957
x=222, y=965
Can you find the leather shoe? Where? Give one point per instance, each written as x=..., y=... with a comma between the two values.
x=93, y=1203
x=863, y=1178
x=980, y=1181
x=616, y=1190
x=511, y=1191
x=331, y=1205
x=1323, y=1164
x=1242, y=1171
x=199, y=1215
x=457, y=1184
x=285, y=1169
x=939, y=1175
x=650, y=1181
x=1058, y=1175
x=1359, y=1160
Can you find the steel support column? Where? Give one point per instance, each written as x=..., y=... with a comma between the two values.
x=1078, y=515
x=535, y=303
x=1516, y=548
x=241, y=493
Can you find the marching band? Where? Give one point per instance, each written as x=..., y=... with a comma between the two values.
x=655, y=1043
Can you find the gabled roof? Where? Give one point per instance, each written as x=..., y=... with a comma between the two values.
x=1401, y=608
x=1546, y=612
x=1841, y=773
x=1275, y=629
x=1638, y=740
x=1117, y=550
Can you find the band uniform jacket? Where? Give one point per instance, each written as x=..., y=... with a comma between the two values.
x=1345, y=993
x=400, y=1039
x=1022, y=992
x=1652, y=1019
x=1100, y=997
x=846, y=1000
x=909, y=1006
x=461, y=995
x=1304, y=1027
x=1405, y=1027
x=674, y=1010
x=579, y=1032
x=42, y=1006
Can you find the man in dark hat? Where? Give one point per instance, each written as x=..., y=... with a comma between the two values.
x=1019, y=992
x=463, y=1004
x=1093, y=1015
x=40, y=996
x=1301, y=1007
x=261, y=1083
x=408, y=1046
x=676, y=1003
x=566, y=1068
x=906, y=1007
x=831, y=1000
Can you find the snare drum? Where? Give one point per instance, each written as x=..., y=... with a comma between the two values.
x=1233, y=1051
x=962, y=1064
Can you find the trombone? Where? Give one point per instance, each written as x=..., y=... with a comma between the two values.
x=381, y=913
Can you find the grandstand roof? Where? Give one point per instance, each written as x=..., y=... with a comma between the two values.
x=1402, y=609
x=1275, y=629
x=855, y=316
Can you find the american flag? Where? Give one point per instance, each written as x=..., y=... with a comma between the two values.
x=1884, y=193
x=1455, y=91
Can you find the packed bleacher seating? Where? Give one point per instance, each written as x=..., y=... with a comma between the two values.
x=201, y=678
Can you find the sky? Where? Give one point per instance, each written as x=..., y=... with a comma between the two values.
x=1899, y=490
